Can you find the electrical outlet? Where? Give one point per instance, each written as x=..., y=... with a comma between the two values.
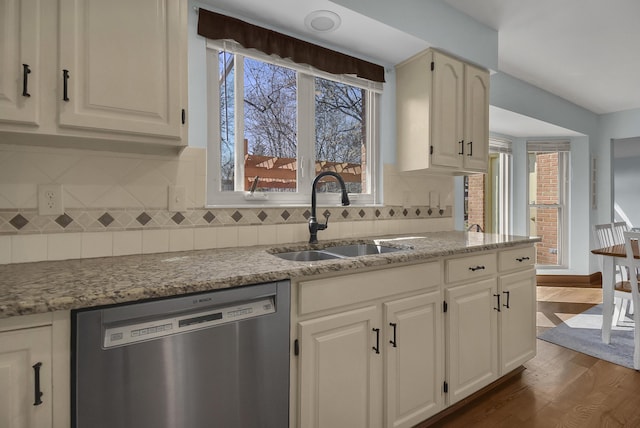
x=50, y=199
x=177, y=198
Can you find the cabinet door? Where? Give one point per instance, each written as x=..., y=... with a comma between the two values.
x=471, y=338
x=19, y=21
x=124, y=66
x=414, y=359
x=517, y=319
x=448, y=110
x=20, y=350
x=340, y=373
x=476, y=125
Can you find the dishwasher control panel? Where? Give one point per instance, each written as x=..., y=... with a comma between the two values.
x=119, y=335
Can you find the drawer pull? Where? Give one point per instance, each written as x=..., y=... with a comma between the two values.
x=521, y=259
x=508, y=293
x=36, y=384
x=498, y=307
x=25, y=80
x=377, y=347
x=65, y=85
x=473, y=269
x=393, y=341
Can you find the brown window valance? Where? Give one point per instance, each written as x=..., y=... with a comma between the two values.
x=220, y=27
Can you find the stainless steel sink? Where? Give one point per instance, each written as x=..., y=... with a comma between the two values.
x=307, y=255
x=356, y=250
x=336, y=252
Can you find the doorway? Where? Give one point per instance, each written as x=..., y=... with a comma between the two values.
x=625, y=158
x=487, y=197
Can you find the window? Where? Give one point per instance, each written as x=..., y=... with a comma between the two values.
x=277, y=124
x=548, y=195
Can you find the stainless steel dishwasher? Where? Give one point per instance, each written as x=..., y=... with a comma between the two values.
x=216, y=359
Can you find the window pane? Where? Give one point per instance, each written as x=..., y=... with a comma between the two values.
x=226, y=67
x=341, y=134
x=544, y=222
x=270, y=129
x=543, y=178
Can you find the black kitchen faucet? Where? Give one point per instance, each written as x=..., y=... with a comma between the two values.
x=314, y=226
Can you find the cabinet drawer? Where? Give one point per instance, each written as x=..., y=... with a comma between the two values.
x=329, y=293
x=466, y=268
x=518, y=258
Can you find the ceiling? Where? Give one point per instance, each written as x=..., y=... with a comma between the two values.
x=582, y=50
x=585, y=51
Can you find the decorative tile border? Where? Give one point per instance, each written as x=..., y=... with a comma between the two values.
x=28, y=221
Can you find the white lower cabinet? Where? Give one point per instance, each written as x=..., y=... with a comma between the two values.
x=25, y=378
x=472, y=338
x=490, y=318
x=340, y=373
x=374, y=364
x=517, y=319
x=414, y=361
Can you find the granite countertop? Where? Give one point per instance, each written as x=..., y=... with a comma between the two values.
x=30, y=288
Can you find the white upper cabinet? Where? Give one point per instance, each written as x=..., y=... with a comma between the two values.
x=19, y=61
x=107, y=75
x=442, y=107
x=122, y=62
x=447, y=110
x=476, y=119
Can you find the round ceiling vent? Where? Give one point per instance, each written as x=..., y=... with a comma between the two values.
x=322, y=21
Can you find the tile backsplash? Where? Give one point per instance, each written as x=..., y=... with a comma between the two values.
x=116, y=204
x=93, y=179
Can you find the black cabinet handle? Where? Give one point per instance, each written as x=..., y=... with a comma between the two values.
x=521, y=259
x=25, y=80
x=461, y=142
x=65, y=85
x=393, y=341
x=497, y=308
x=508, y=293
x=470, y=144
x=377, y=347
x=37, y=392
x=473, y=269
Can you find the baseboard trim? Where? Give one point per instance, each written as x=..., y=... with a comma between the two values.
x=583, y=281
x=517, y=372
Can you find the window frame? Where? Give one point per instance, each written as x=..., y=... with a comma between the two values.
x=563, y=148
x=306, y=132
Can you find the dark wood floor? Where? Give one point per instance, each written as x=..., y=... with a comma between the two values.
x=559, y=387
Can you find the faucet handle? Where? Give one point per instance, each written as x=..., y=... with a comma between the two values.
x=326, y=216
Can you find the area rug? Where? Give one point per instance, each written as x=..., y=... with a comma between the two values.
x=583, y=333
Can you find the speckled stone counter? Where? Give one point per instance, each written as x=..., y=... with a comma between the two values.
x=30, y=288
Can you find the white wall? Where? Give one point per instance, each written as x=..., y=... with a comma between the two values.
x=515, y=95
x=626, y=175
x=438, y=24
x=625, y=124
x=627, y=189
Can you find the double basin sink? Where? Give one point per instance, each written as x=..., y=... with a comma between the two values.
x=337, y=252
